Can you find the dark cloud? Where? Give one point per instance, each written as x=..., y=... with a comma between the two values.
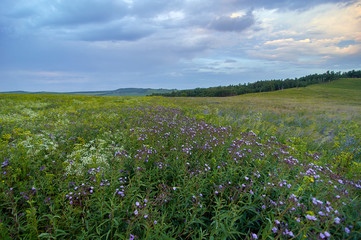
x=123, y=31
x=346, y=43
x=69, y=12
x=283, y=4
x=233, y=24
x=6, y=6
x=6, y=30
x=22, y=13
x=230, y=61
x=151, y=8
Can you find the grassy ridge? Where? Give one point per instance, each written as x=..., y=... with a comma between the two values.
x=276, y=165
x=343, y=91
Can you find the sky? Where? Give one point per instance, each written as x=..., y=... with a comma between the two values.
x=90, y=45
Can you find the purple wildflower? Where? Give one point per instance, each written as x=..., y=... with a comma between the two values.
x=254, y=236
x=310, y=217
x=347, y=230
x=337, y=220
x=274, y=229
x=5, y=163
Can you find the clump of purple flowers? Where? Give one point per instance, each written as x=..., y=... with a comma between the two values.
x=80, y=194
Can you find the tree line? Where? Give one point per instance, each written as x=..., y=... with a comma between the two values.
x=262, y=86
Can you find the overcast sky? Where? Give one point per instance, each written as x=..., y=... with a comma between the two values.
x=74, y=45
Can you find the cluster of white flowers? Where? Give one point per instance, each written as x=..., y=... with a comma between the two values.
x=18, y=113
x=97, y=152
x=39, y=142
x=30, y=113
x=9, y=118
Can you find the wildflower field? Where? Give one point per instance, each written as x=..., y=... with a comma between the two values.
x=277, y=165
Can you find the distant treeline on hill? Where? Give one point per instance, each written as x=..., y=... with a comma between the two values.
x=262, y=86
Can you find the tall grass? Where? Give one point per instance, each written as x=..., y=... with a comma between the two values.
x=266, y=166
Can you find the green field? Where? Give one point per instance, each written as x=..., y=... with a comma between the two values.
x=276, y=165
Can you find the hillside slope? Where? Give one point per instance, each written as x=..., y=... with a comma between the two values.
x=342, y=91
x=322, y=114
x=339, y=92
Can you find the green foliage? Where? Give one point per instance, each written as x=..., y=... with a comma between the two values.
x=81, y=167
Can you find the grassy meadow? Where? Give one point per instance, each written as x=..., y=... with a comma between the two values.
x=276, y=165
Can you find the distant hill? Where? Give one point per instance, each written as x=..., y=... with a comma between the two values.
x=134, y=92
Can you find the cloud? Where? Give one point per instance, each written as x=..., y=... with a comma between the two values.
x=127, y=30
x=230, y=61
x=69, y=13
x=346, y=43
x=287, y=4
x=43, y=80
x=152, y=8
x=233, y=24
x=307, y=37
x=189, y=43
